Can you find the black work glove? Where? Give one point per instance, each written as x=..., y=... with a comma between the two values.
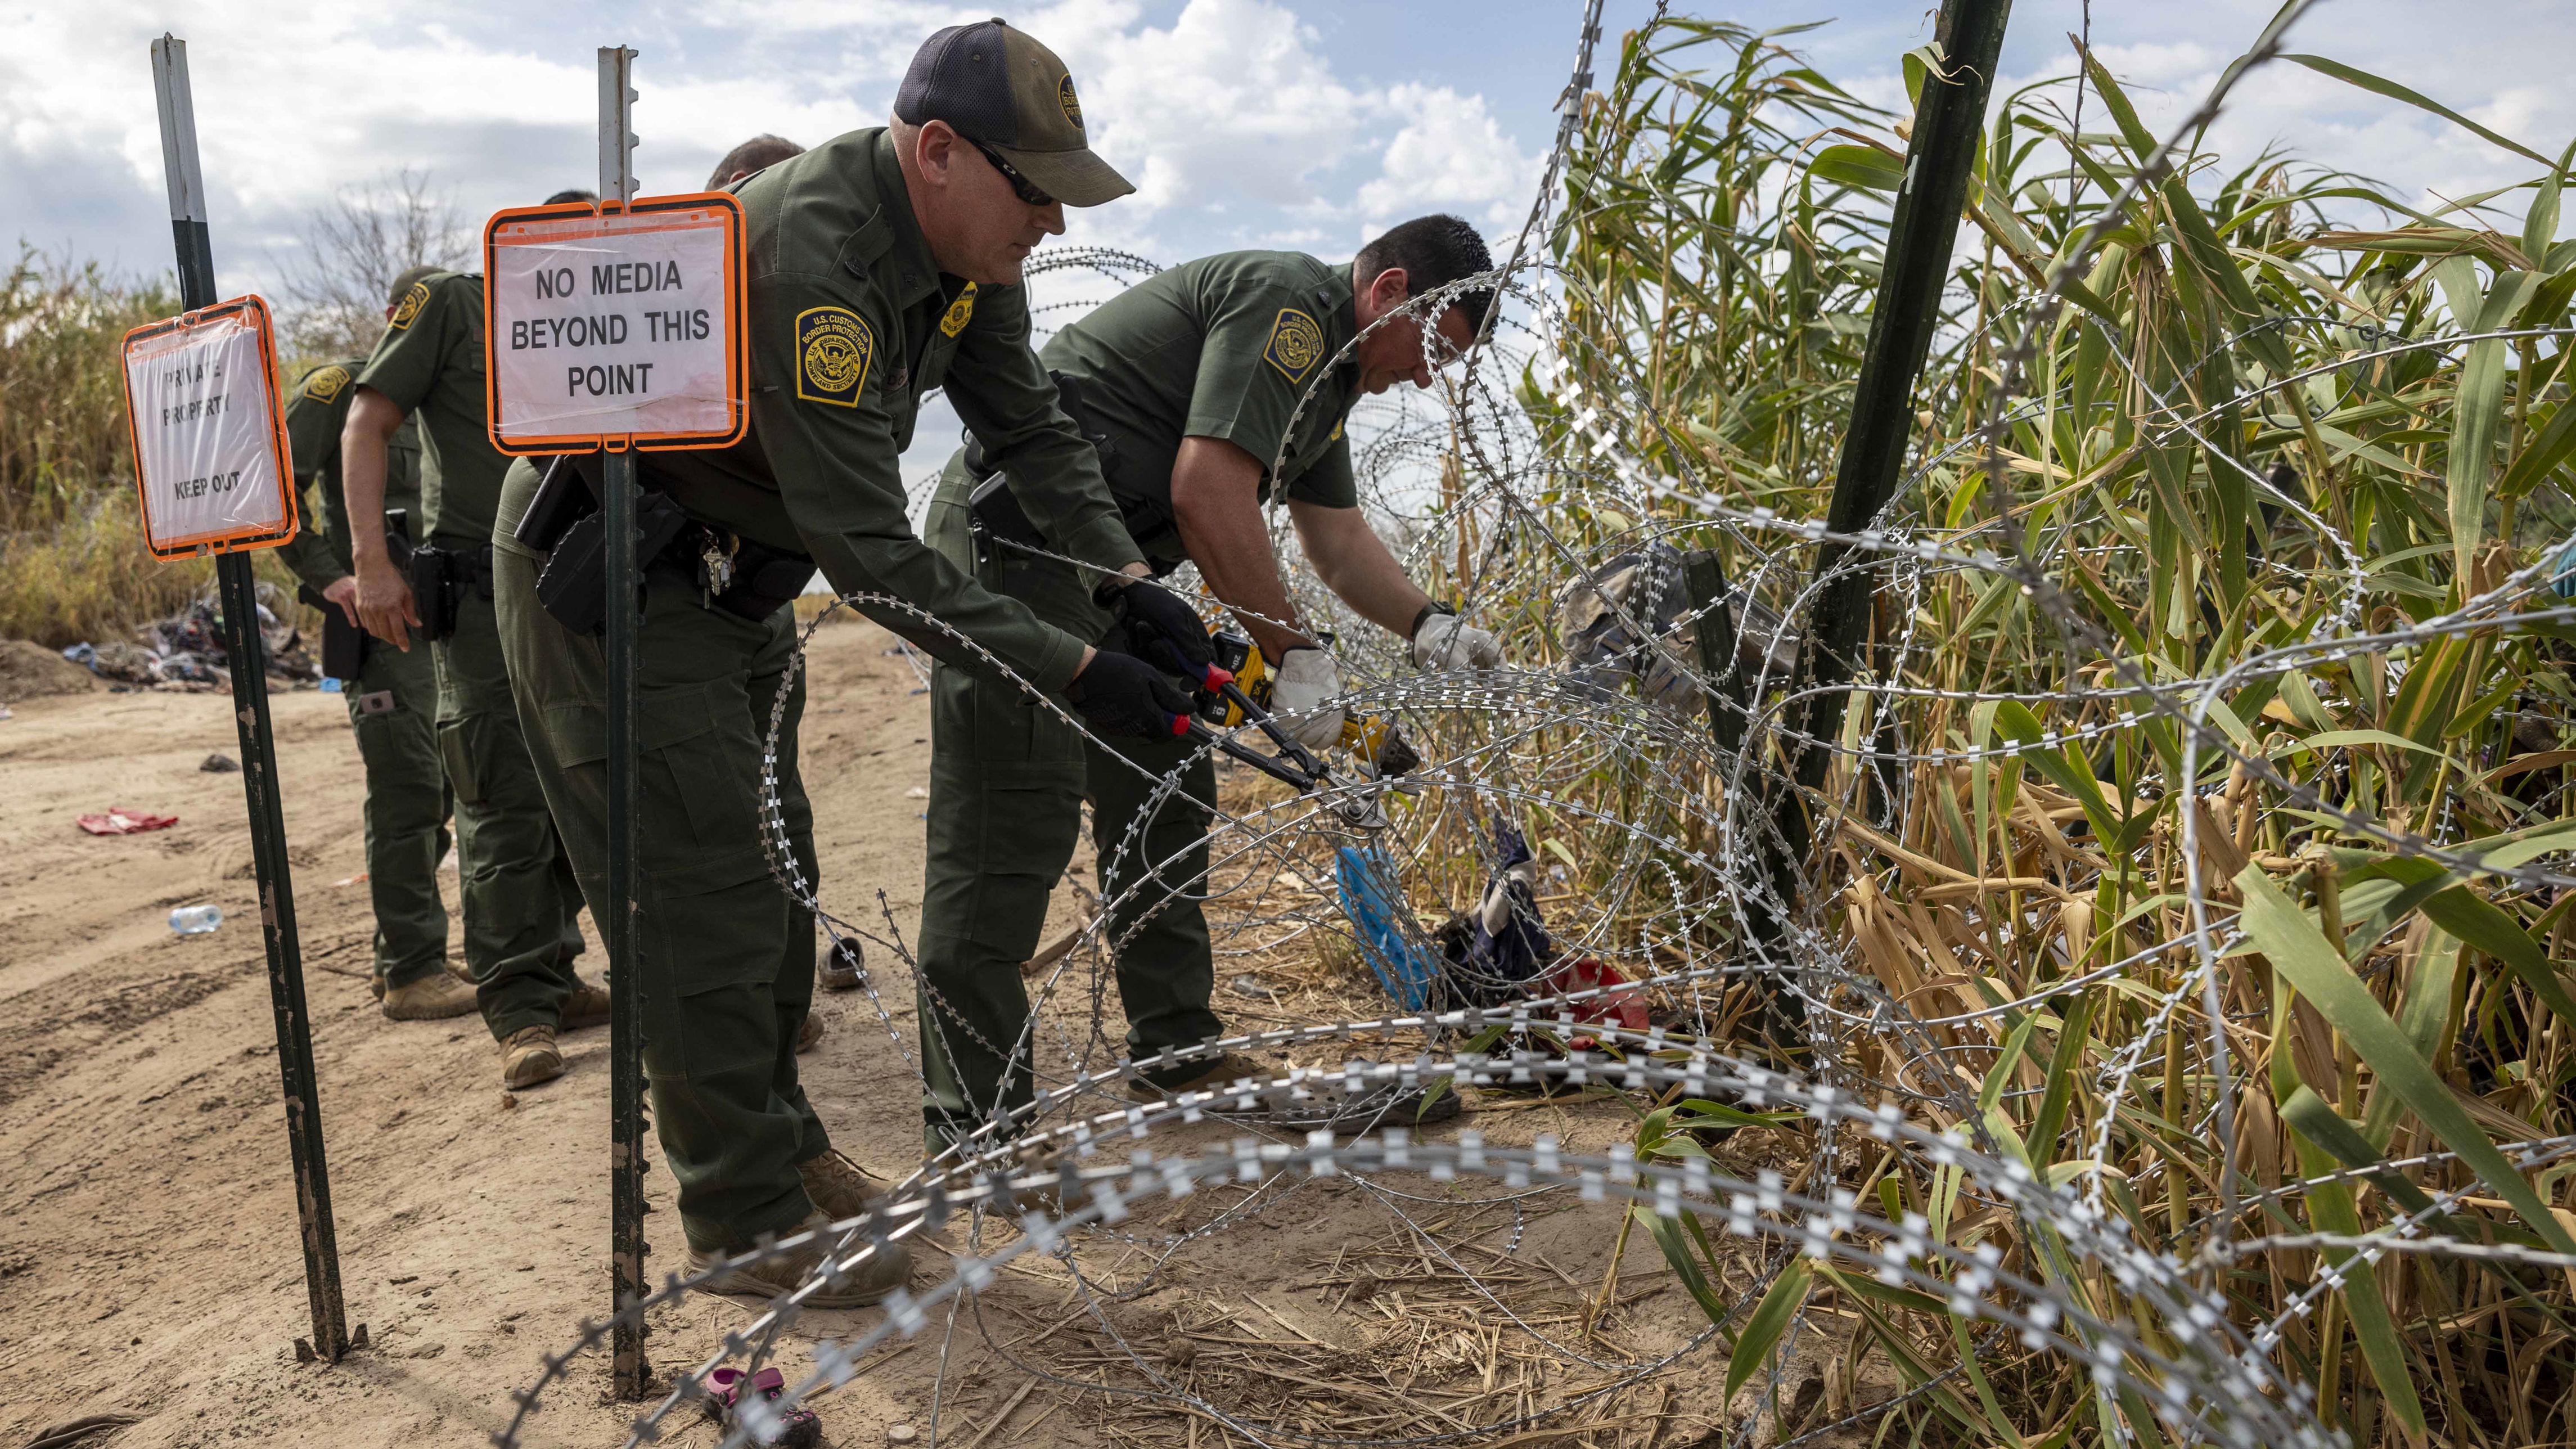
x=1162, y=630
x=1119, y=694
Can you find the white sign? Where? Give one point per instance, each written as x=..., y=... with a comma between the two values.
x=210, y=459
x=619, y=326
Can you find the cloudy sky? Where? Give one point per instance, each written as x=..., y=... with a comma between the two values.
x=1296, y=123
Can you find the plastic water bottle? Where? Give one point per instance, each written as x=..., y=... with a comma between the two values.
x=196, y=920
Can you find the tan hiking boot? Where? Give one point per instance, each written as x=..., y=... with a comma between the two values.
x=587, y=1006
x=431, y=998
x=840, y=1188
x=529, y=1057
x=864, y=1283
x=810, y=1034
x=457, y=968
x=842, y=968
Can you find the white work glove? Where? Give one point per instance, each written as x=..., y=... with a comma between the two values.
x=1307, y=680
x=1446, y=641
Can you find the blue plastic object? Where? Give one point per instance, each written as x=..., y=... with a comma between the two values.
x=330, y=685
x=2562, y=581
x=1368, y=898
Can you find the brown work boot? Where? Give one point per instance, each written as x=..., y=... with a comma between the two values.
x=840, y=1188
x=529, y=1057
x=1225, y=1071
x=862, y=1284
x=810, y=1034
x=431, y=998
x=587, y=1006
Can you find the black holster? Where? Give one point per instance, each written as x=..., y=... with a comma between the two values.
x=440, y=576
x=344, y=645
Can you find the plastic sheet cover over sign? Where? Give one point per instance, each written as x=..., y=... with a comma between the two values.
x=202, y=411
x=617, y=326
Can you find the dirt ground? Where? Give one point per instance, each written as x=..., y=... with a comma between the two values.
x=148, y=1260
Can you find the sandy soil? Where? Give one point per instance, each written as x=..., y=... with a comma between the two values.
x=148, y=1262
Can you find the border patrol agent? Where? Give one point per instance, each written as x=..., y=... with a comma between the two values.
x=522, y=924
x=392, y=698
x=1189, y=382
x=881, y=264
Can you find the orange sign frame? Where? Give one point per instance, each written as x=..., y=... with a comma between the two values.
x=282, y=458
x=707, y=204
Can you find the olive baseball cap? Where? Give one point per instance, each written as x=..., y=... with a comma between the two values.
x=997, y=85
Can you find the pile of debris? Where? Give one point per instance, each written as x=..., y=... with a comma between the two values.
x=185, y=652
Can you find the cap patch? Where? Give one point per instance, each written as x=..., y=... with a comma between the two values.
x=1072, y=104
x=958, y=312
x=1296, y=344
x=833, y=348
x=412, y=302
x=326, y=382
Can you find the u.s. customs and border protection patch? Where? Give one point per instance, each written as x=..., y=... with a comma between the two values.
x=1296, y=344
x=833, y=349
x=1072, y=104
x=959, y=312
x=326, y=382
x=409, y=307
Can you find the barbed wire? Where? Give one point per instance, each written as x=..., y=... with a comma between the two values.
x=1664, y=776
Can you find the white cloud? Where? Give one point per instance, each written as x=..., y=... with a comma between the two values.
x=1449, y=153
x=1232, y=118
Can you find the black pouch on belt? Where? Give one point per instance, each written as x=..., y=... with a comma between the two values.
x=999, y=519
x=433, y=573
x=574, y=585
x=562, y=500
x=344, y=645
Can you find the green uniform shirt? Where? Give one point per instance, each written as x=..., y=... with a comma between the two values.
x=851, y=321
x=315, y=413
x=430, y=363
x=1222, y=347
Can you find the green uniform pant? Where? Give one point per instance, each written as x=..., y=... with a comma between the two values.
x=406, y=811
x=726, y=958
x=1008, y=779
x=522, y=907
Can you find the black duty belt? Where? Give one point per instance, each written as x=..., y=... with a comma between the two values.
x=738, y=575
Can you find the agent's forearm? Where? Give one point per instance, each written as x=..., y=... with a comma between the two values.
x=1216, y=490
x=1358, y=567
x=373, y=419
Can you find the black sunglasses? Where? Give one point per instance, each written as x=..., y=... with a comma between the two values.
x=1020, y=185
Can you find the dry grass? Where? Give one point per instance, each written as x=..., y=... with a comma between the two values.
x=1720, y=252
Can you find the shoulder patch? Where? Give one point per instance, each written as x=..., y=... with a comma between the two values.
x=1072, y=104
x=1296, y=344
x=409, y=307
x=833, y=349
x=325, y=383
x=959, y=312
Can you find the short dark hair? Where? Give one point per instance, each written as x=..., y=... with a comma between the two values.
x=571, y=193
x=757, y=154
x=409, y=279
x=1433, y=251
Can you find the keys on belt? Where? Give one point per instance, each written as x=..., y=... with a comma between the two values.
x=715, y=564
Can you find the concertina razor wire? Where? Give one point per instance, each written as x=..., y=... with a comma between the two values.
x=1671, y=816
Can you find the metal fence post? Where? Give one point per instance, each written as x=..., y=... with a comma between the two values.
x=245, y=650
x=634, y=1372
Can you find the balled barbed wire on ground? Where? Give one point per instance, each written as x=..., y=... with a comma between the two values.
x=1667, y=799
